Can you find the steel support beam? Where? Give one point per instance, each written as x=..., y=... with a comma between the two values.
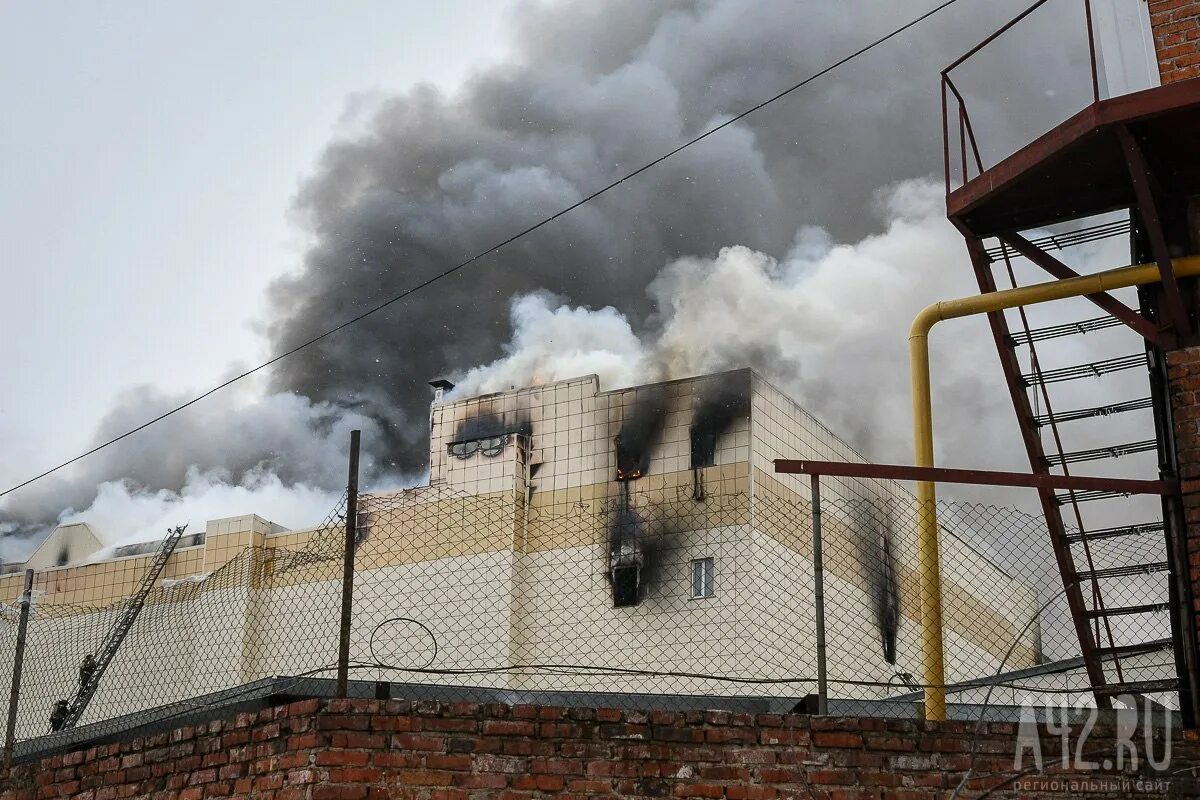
x=896, y=472
x=1142, y=179
x=1144, y=327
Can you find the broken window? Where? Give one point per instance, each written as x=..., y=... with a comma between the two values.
x=704, y=447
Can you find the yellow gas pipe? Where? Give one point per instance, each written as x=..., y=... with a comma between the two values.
x=918, y=349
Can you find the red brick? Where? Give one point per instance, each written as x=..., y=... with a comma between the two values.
x=333, y=791
x=342, y=758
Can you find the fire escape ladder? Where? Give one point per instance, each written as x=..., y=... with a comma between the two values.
x=1091, y=616
x=90, y=678
x=1061, y=459
x=1051, y=507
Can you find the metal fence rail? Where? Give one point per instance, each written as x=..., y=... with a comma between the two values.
x=644, y=591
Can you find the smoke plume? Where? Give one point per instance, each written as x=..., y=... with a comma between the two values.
x=700, y=263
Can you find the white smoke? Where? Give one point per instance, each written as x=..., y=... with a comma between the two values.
x=123, y=514
x=828, y=324
x=278, y=455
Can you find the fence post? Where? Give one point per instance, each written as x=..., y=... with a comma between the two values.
x=343, y=667
x=14, y=696
x=819, y=582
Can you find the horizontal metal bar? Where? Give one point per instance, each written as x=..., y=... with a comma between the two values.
x=1043, y=420
x=1134, y=649
x=1092, y=370
x=1061, y=241
x=1074, y=537
x=1084, y=497
x=1065, y=329
x=1139, y=687
x=1119, y=486
x=1123, y=572
x=1128, y=611
x=1098, y=453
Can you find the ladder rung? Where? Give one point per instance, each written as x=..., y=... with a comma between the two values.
x=1042, y=420
x=1087, y=495
x=1092, y=370
x=1117, y=572
x=1116, y=451
x=1058, y=241
x=1134, y=649
x=1112, y=533
x=1128, y=611
x=1139, y=687
x=1065, y=329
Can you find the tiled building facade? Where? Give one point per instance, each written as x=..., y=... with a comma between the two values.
x=637, y=529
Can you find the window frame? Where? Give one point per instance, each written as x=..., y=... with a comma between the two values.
x=705, y=570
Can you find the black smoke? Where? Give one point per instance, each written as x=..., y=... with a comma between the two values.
x=590, y=91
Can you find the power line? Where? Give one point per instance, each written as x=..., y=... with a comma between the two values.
x=483, y=254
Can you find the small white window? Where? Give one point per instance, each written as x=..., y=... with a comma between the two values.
x=702, y=577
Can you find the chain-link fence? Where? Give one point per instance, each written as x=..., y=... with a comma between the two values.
x=699, y=594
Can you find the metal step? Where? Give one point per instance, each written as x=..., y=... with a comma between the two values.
x=1042, y=420
x=1112, y=533
x=1128, y=611
x=1088, y=495
x=1118, y=572
x=1065, y=329
x=1092, y=370
x=1134, y=649
x=1098, y=453
x=1059, y=241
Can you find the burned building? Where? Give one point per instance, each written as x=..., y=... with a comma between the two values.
x=637, y=540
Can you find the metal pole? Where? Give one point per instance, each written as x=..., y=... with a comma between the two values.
x=819, y=582
x=343, y=673
x=18, y=662
x=1087, y=11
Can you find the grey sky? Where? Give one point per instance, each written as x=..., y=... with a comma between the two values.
x=150, y=154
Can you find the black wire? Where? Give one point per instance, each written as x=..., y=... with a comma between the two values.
x=450, y=271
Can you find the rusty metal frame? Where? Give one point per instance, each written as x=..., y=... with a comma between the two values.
x=1036, y=453
x=978, y=477
x=1142, y=326
x=964, y=117
x=1142, y=178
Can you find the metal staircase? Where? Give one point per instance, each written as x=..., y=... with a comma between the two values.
x=1091, y=574
x=93, y=671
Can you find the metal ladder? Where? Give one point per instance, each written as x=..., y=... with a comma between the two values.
x=120, y=628
x=1084, y=585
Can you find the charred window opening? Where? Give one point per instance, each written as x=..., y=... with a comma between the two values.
x=722, y=402
x=626, y=582
x=631, y=463
x=487, y=433
x=704, y=448
x=639, y=432
x=626, y=555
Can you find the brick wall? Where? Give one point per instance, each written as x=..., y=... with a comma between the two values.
x=1183, y=378
x=1176, y=26
x=368, y=749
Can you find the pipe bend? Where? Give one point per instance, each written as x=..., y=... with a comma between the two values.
x=926, y=318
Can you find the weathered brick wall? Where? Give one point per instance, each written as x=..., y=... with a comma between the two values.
x=1176, y=26
x=367, y=749
x=1183, y=378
